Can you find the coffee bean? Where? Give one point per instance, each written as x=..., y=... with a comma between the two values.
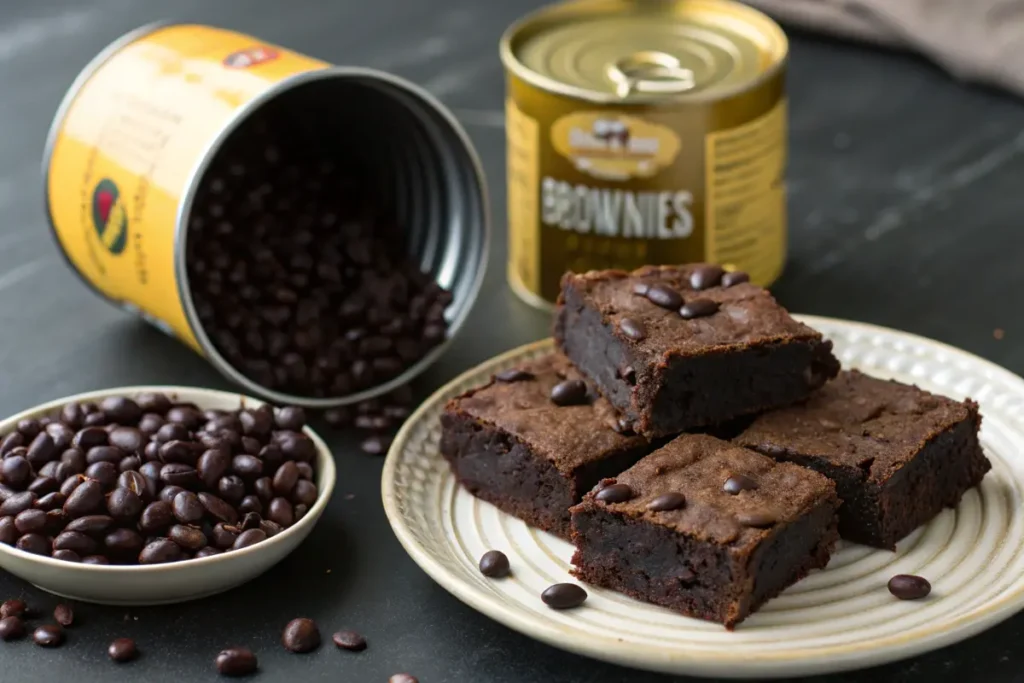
x=66, y=555
x=75, y=540
x=160, y=551
x=296, y=446
x=156, y=517
x=124, y=543
x=758, y=519
x=281, y=511
x=55, y=521
x=304, y=493
x=251, y=521
x=300, y=511
x=150, y=424
x=258, y=422
x=128, y=439
x=248, y=467
x=250, y=504
x=11, y=628
x=64, y=615
x=61, y=435
x=375, y=445
x=123, y=650
x=179, y=474
x=13, y=608
x=16, y=471
x=301, y=635
x=188, y=537
x=615, y=493
x=403, y=678
x=94, y=419
x=55, y=469
x=291, y=418
x=664, y=296
x=103, y=472
x=338, y=417
x=19, y=502
x=513, y=375
x=30, y=521
x=71, y=483
x=909, y=587
x=121, y=410
x=42, y=450
x=271, y=528
x=90, y=524
x=187, y=508
x=569, y=392
x=372, y=423
x=51, y=501
x=734, y=278
x=8, y=532
x=95, y=559
x=739, y=482
x=37, y=544
x=74, y=460
x=248, y=538
x=208, y=551
x=698, y=308
x=494, y=564
x=223, y=535
x=634, y=329
x=151, y=402
x=169, y=493
x=12, y=441
x=563, y=596
x=349, y=640
x=186, y=416
x=284, y=479
x=129, y=463
x=264, y=489
x=89, y=437
x=212, y=465
x=272, y=458
x=124, y=504
x=134, y=482
x=706, y=276
x=305, y=470
x=236, y=661
x=50, y=635
x=171, y=431
x=666, y=502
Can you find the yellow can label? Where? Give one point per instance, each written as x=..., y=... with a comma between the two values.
x=614, y=145
x=126, y=150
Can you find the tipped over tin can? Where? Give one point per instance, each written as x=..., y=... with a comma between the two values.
x=319, y=233
x=644, y=132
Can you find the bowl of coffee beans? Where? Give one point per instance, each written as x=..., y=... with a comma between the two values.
x=151, y=495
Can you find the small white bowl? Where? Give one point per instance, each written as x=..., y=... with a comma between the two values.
x=176, y=581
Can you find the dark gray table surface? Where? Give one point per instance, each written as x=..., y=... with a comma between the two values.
x=905, y=196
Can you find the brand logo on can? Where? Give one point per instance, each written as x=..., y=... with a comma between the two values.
x=614, y=146
x=251, y=56
x=109, y=217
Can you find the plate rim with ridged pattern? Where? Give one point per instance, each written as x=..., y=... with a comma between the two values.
x=435, y=538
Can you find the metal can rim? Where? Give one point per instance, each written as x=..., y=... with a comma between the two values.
x=516, y=67
x=199, y=169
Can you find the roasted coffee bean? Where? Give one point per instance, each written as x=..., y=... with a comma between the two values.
x=271, y=528
x=50, y=470
x=19, y=502
x=75, y=540
x=188, y=537
x=37, y=544
x=151, y=402
x=124, y=504
x=16, y=471
x=372, y=423
x=248, y=467
x=304, y=493
x=301, y=635
x=171, y=431
x=634, y=329
x=151, y=470
x=284, y=479
x=156, y=517
x=134, y=482
x=563, y=596
x=95, y=559
x=305, y=470
x=739, y=482
x=30, y=521
x=29, y=427
x=56, y=521
x=42, y=450
x=397, y=413
x=667, y=501
x=180, y=452
x=11, y=441
x=339, y=417
x=223, y=535
x=90, y=524
x=513, y=375
x=64, y=615
x=208, y=551
x=74, y=460
x=757, y=519
x=569, y=392
x=231, y=488
x=494, y=564
x=160, y=551
x=664, y=296
x=129, y=463
x=169, y=493
x=186, y=416
x=375, y=445
x=734, y=278
x=123, y=650
x=615, y=493
x=13, y=608
x=300, y=511
x=72, y=414
x=248, y=538
x=909, y=587
x=61, y=435
x=349, y=640
x=103, y=472
x=187, y=508
x=89, y=437
x=51, y=501
x=272, y=458
x=257, y=422
x=706, y=276
x=179, y=474
x=291, y=418
x=8, y=532
x=251, y=446
x=67, y=555
x=43, y=485
x=150, y=424
x=124, y=543
x=151, y=453
x=12, y=628
x=97, y=419
x=128, y=439
x=281, y=511
x=50, y=635
x=121, y=410
x=296, y=446
x=212, y=465
x=71, y=483
x=264, y=489
x=250, y=521
x=217, y=508
x=250, y=504
x=222, y=422
x=236, y=661
x=698, y=308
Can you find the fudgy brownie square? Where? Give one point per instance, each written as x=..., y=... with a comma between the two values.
x=678, y=347
x=534, y=440
x=896, y=453
x=705, y=528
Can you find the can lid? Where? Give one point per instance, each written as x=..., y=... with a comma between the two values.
x=632, y=51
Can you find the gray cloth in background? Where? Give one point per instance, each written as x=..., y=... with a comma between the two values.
x=975, y=40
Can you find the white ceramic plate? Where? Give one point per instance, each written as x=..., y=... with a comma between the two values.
x=176, y=581
x=836, y=619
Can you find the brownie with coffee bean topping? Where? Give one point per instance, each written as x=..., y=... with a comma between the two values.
x=897, y=454
x=534, y=440
x=706, y=528
x=679, y=347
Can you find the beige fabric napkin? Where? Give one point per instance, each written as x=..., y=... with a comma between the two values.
x=975, y=40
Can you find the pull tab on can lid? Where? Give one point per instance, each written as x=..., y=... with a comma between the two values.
x=633, y=51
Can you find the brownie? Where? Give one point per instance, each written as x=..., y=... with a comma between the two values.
x=897, y=454
x=511, y=444
x=679, y=347
x=705, y=528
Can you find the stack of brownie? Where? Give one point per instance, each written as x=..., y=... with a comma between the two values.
x=618, y=442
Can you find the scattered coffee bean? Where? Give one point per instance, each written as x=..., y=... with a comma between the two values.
x=64, y=615
x=909, y=587
x=734, y=278
x=758, y=519
x=375, y=445
x=569, y=392
x=301, y=635
x=513, y=375
x=123, y=650
x=50, y=635
x=664, y=296
x=706, y=276
x=349, y=640
x=634, y=329
x=236, y=661
x=698, y=308
x=563, y=596
x=13, y=608
x=667, y=501
x=494, y=564
x=12, y=628
x=615, y=493
x=739, y=482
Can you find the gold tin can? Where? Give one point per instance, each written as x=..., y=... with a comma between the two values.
x=644, y=132
x=130, y=145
